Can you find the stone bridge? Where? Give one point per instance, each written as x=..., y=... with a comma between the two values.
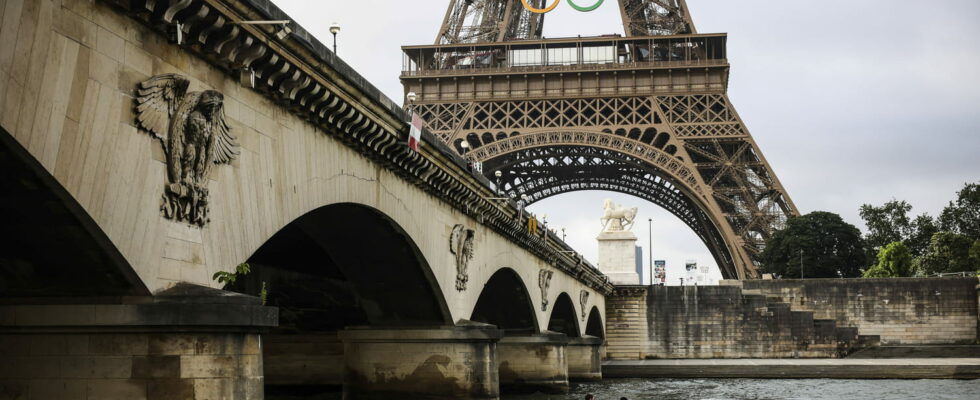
x=136, y=170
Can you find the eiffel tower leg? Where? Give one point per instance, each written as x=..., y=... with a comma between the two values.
x=744, y=189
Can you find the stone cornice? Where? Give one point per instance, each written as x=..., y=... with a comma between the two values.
x=302, y=75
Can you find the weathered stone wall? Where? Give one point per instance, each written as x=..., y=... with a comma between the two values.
x=714, y=322
x=626, y=323
x=411, y=364
x=584, y=356
x=533, y=363
x=788, y=318
x=313, y=359
x=130, y=366
x=900, y=311
x=186, y=343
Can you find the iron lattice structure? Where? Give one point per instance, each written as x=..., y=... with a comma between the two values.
x=476, y=21
x=646, y=114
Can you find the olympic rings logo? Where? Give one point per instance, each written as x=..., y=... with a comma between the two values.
x=555, y=4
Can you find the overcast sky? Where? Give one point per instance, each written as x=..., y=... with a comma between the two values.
x=851, y=102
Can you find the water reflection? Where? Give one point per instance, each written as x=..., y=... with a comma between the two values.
x=742, y=389
x=758, y=389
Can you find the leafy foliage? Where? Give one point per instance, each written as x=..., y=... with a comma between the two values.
x=923, y=227
x=963, y=215
x=894, y=261
x=886, y=224
x=229, y=278
x=831, y=248
x=891, y=223
x=948, y=252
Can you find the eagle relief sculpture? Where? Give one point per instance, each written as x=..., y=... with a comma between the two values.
x=461, y=245
x=544, y=282
x=195, y=137
x=583, y=300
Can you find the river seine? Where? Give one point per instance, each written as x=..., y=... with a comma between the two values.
x=759, y=389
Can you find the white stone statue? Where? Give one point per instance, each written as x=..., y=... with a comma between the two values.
x=622, y=218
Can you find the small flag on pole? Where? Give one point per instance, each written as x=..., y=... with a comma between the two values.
x=415, y=134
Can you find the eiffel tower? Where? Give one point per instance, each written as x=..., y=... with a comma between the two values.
x=646, y=114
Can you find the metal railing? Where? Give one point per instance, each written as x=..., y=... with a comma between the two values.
x=565, y=68
x=964, y=274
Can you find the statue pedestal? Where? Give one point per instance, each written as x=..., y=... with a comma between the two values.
x=617, y=257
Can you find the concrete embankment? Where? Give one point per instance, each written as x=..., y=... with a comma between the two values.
x=894, y=368
x=934, y=351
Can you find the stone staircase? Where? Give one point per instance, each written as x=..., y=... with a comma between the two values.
x=720, y=322
x=800, y=335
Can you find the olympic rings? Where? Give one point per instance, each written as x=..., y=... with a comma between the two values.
x=540, y=10
x=585, y=9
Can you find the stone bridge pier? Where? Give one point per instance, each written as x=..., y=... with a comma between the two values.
x=389, y=272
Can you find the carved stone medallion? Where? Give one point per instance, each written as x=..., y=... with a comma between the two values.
x=544, y=282
x=195, y=137
x=461, y=245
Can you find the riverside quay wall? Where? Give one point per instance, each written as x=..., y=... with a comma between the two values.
x=810, y=318
x=903, y=311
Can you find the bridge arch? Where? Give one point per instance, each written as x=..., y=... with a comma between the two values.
x=505, y=302
x=33, y=205
x=545, y=164
x=346, y=264
x=564, y=317
x=594, y=325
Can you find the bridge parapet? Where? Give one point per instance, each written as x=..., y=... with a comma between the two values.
x=301, y=74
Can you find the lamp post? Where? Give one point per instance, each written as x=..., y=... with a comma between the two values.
x=524, y=200
x=650, y=248
x=335, y=29
x=498, y=174
x=801, y=264
x=411, y=97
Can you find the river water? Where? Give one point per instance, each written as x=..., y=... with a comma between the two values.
x=758, y=389
x=745, y=389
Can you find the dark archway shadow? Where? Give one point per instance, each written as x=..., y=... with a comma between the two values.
x=345, y=265
x=49, y=245
x=563, y=318
x=594, y=326
x=339, y=266
x=505, y=302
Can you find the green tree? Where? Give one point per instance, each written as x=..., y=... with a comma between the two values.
x=891, y=223
x=831, y=248
x=923, y=227
x=894, y=261
x=886, y=224
x=948, y=252
x=963, y=215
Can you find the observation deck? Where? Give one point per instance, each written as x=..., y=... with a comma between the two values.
x=567, y=67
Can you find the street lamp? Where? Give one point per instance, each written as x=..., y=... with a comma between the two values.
x=650, y=249
x=411, y=97
x=335, y=29
x=801, y=264
x=523, y=203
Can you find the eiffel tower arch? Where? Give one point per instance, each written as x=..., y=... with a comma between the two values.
x=646, y=114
